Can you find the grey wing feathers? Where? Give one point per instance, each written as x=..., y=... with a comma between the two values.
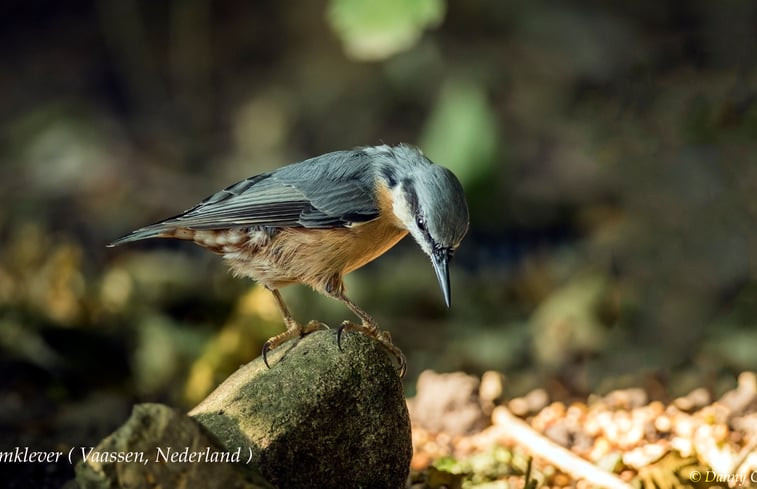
x=332, y=190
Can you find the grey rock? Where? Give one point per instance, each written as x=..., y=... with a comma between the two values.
x=161, y=447
x=319, y=417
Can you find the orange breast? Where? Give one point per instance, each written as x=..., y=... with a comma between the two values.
x=316, y=257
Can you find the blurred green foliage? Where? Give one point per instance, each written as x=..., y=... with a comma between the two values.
x=462, y=131
x=372, y=30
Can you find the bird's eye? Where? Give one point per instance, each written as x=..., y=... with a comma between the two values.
x=421, y=223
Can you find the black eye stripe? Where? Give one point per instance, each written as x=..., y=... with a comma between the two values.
x=410, y=196
x=390, y=176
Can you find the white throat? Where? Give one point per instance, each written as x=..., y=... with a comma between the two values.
x=406, y=216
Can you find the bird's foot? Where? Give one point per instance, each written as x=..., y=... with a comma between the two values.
x=382, y=337
x=294, y=330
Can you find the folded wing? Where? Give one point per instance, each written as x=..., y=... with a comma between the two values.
x=332, y=190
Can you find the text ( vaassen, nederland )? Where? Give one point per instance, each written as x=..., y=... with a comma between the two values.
x=159, y=455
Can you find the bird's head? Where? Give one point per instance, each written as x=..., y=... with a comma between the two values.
x=429, y=201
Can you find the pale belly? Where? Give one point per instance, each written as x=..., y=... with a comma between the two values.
x=315, y=257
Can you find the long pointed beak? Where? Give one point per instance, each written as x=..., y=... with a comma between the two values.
x=441, y=267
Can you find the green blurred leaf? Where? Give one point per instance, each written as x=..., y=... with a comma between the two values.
x=461, y=133
x=438, y=479
x=164, y=348
x=27, y=343
x=374, y=30
x=672, y=472
x=734, y=346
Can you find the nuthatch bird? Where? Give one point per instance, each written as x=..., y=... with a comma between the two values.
x=314, y=221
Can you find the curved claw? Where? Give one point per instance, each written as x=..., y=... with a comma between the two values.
x=339, y=338
x=383, y=337
x=402, y=369
x=399, y=356
x=346, y=325
x=294, y=330
x=313, y=326
x=266, y=349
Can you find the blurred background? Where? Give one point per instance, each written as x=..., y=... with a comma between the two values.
x=608, y=151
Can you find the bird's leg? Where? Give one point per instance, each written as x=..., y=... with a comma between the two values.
x=369, y=328
x=294, y=329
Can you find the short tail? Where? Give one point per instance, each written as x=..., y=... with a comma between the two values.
x=154, y=231
x=160, y=230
